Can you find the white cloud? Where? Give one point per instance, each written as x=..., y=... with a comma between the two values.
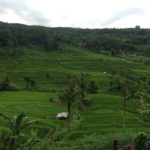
x=77, y=13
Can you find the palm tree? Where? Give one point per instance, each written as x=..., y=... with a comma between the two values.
x=68, y=97
x=125, y=98
x=127, y=94
x=82, y=87
x=18, y=123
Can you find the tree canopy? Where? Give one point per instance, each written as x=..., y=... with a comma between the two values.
x=114, y=41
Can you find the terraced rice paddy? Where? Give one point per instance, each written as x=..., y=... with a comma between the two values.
x=103, y=116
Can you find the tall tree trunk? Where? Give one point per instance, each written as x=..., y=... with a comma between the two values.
x=124, y=112
x=69, y=113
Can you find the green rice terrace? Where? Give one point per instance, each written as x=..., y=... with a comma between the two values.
x=102, y=119
x=74, y=89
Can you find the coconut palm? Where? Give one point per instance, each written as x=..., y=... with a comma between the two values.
x=125, y=98
x=68, y=96
x=82, y=88
x=18, y=123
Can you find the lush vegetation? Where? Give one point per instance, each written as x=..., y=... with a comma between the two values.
x=133, y=41
x=100, y=77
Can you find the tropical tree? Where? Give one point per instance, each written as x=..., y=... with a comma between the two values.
x=144, y=109
x=30, y=83
x=5, y=84
x=92, y=86
x=126, y=96
x=16, y=124
x=114, y=80
x=128, y=85
x=129, y=89
x=82, y=88
x=121, y=84
x=68, y=96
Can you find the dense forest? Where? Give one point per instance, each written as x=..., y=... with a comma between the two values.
x=131, y=41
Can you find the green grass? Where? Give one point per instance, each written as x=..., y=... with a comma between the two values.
x=58, y=64
x=35, y=105
x=102, y=117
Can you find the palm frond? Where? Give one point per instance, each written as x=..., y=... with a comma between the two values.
x=19, y=120
x=7, y=118
x=28, y=124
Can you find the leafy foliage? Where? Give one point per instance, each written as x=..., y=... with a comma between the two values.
x=7, y=85
x=16, y=125
x=144, y=110
x=140, y=140
x=92, y=86
x=95, y=142
x=114, y=41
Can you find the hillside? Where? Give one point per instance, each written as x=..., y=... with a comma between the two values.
x=102, y=120
x=36, y=63
x=131, y=41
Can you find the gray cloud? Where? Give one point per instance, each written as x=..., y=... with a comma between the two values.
x=68, y=17
x=23, y=10
x=114, y=17
x=117, y=16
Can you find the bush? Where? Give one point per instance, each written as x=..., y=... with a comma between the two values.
x=14, y=87
x=144, y=110
x=95, y=142
x=139, y=141
x=51, y=99
x=5, y=138
x=7, y=85
x=92, y=87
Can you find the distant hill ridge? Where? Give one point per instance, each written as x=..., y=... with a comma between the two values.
x=114, y=41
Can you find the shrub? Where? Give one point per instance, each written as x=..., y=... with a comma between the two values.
x=92, y=87
x=144, y=110
x=6, y=85
x=14, y=87
x=95, y=142
x=139, y=140
x=51, y=99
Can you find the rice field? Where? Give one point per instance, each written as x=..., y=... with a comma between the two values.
x=104, y=114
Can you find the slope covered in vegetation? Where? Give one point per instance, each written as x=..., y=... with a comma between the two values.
x=102, y=120
x=130, y=41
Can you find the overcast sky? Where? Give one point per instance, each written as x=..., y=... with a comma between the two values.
x=77, y=13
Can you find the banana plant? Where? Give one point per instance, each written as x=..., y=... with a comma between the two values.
x=18, y=123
